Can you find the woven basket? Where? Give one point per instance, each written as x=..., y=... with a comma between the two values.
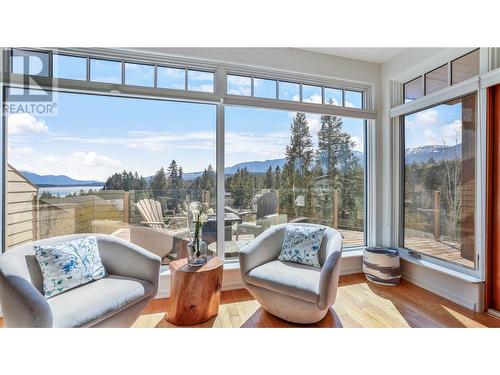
x=381, y=265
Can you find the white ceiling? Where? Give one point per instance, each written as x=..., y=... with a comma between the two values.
x=376, y=55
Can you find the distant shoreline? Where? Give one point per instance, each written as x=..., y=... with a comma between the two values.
x=94, y=184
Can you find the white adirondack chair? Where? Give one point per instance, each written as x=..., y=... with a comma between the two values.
x=152, y=214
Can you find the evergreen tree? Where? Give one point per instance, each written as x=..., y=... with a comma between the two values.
x=297, y=174
x=176, y=193
x=269, y=180
x=159, y=183
x=241, y=186
x=125, y=181
x=337, y=160
x=277, y=177
x=208, y=179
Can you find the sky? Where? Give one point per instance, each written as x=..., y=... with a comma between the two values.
x=440, y=125
x=92, y=137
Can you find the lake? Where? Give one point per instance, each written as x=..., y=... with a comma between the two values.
x=62, y=191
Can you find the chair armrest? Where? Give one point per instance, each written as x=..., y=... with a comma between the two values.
x=248, y=225
x=330, y=272
x=263, y=249
x=23, y=305
x=153, y=222
x=124, y=258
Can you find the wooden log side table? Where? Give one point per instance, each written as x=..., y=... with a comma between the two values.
x=194, y=291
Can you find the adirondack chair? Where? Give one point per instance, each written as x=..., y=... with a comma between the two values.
x=152, y=214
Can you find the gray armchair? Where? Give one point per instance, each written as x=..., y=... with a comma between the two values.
x=291, y=291
x=114, y=301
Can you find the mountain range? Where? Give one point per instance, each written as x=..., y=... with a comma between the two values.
x=436, y=152
x=412, y=155
x=57, y=180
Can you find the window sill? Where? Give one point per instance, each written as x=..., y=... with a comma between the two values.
x=234, y=264
x=436, y=267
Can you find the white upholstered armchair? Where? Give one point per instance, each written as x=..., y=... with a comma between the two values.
x=114, y=301
x=294, y=292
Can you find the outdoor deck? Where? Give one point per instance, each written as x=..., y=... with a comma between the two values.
x=447, y=251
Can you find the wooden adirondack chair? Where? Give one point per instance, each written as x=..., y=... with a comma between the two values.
x=152, y=214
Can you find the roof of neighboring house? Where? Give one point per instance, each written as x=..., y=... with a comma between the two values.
x=15, y=171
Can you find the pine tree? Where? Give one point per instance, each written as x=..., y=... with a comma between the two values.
x=159, y=183
x=242, y=188
x=173, y=186
x=297, y=170
x=277, y=177
x=336, y=159
x=268, y=180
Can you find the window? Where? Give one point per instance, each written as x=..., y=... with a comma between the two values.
x=88, y=168
x=289, y=91
x=105, y=71
x=264, y=88
x=30, y=63
x=171, y=78
x=413, y=89
x=436, y=79
x=312, y=94
x=239, y=85
x=353, y=99
x=465, y=67
x=439, y=181
x=139, y=75
x=200, y=81
x=313, y=173
x=70, y=67
x=334, y=97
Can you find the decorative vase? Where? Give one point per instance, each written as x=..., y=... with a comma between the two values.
x=197, y=252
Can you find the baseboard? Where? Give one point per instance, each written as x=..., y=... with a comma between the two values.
x=351, y=264
x=462, y=292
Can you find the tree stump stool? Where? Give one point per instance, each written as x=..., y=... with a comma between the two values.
x=194, y=291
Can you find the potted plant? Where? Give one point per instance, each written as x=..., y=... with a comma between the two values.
x=197, y=249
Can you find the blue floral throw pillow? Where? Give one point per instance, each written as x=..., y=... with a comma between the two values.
x=301, y=245
x=67, y=265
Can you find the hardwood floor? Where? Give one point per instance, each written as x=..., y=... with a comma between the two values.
x=358, y=304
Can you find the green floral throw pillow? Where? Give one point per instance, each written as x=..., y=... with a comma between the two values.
x=301, y=245
x=67, y=265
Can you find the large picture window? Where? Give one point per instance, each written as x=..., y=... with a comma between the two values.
x=284, y=167
x=439, y=181
x=136, y=169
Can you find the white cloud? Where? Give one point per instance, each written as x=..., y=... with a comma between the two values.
x=244, y=146
x=17, y=152
x=314, y=98
x=80, y=164
x=206, y=87
x=149, y=141
x=93, y=159
x=358, y=145
x=314, y=123
x=431, y=138
x=19, y=123
x=452, y=133
x=239, y=85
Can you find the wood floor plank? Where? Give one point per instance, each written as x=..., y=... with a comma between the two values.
x=359, y=304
